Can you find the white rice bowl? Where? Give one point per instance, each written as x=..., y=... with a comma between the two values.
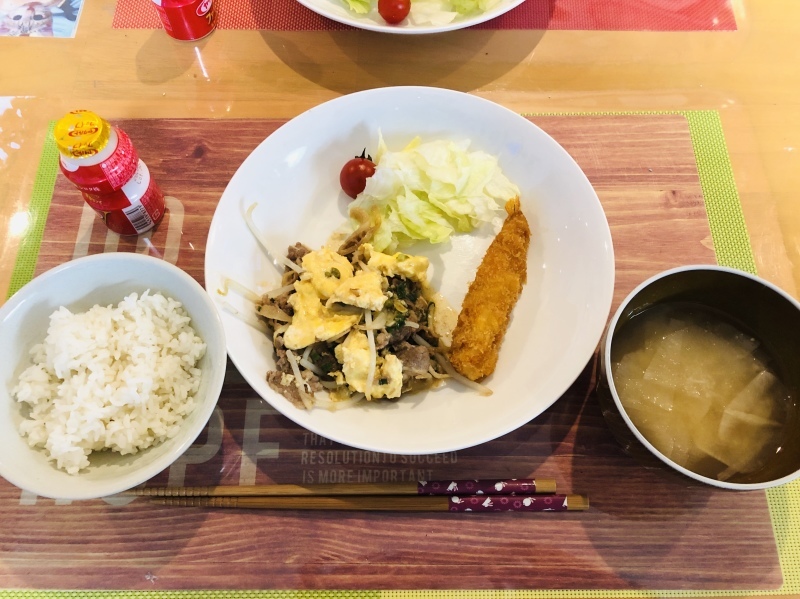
x=119, y=378
x=116, y=386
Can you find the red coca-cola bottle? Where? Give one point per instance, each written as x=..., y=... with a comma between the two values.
x=187, y=19
x=100, y=160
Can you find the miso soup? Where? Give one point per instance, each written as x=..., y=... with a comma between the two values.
x=701, y=391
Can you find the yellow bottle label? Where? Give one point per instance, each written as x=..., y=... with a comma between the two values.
x=81, y=133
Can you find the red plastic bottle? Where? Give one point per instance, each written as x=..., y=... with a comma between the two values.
x=187, y=20
x=102, y=163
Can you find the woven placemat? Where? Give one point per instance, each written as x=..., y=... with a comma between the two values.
x=732, y=248
x=600, y=15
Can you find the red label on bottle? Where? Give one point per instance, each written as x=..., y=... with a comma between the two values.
x=120, y=166
x=110, y=174
x=187, y=19
x=129, y=216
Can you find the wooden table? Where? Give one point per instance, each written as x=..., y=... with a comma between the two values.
x=748, y=76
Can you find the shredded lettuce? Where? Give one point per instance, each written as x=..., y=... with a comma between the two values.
x=360, y=7
x=428, y=191
x=466, y=7
x=430, y=12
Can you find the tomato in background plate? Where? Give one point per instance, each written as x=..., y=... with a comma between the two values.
x=354, y=174
x=394, y=11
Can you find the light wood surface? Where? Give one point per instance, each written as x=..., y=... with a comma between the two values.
x=749, y=75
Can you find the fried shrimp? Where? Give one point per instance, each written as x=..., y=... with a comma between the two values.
x=486, y=310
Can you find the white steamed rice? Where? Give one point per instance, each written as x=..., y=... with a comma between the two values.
x=121, y=378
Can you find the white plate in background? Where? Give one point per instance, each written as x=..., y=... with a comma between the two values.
x=337, y=10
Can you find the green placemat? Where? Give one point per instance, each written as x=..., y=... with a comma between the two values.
x=38, y=209
x=732, y=247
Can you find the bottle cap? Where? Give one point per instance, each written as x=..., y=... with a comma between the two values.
x=81, y=133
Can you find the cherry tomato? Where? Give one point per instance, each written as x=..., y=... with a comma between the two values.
x=394, y=11
x=355, y=173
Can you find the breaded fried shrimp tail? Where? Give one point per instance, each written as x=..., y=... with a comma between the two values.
x=486, y=310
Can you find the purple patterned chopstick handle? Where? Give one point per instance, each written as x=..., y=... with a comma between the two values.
x=507, y=503
x=512, y=486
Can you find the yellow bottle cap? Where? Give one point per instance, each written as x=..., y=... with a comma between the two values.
x=81, y=133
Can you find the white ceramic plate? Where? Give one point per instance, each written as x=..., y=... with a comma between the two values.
x=338, y=11
x=294, y=177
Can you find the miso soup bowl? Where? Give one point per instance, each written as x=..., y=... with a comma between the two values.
x=751, y=304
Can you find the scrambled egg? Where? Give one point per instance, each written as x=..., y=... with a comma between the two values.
x=326, y=269
x=411, y=267
x=354, y=353
x=390, y=377
x=364, y=290
x=312, y=321
x=330, y=279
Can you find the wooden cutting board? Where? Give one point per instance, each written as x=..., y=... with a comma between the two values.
x=648, y=528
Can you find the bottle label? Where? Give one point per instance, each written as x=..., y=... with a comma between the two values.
x=107, y=176
x=138, y=217
x=187, y=19
x=137, y=207
x=117, y=168
x=147, y=210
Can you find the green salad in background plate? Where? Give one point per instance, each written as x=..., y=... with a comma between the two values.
x=411, y=16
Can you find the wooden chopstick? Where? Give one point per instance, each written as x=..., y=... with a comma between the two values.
x=514, y=486
x=391, y=503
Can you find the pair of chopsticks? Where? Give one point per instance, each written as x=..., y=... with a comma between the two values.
x=521, y=495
